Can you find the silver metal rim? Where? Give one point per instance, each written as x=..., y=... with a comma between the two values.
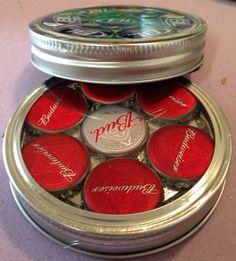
x=117, y=256
x=80, y=73
x=153, y=226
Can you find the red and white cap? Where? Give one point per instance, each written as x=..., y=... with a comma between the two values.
x=107, y=94
x=114, y=130
x=180, y=152
x=56, y=161
x=58, y=109
x=167, y=100
x=122, y=186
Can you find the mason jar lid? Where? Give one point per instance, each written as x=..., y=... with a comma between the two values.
x=181, y=212
x=118, y=44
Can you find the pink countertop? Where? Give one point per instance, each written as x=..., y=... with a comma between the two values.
x=217, y=77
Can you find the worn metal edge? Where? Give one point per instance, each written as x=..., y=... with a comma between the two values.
x=186, y=235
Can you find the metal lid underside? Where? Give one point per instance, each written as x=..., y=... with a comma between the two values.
x=118, y=44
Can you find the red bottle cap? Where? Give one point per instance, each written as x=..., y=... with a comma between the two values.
x=107, y=94
x=122, y=186
x=56, y=161
x=57, y=109
x=166, y=100
x=114, y=130
x=180, y=152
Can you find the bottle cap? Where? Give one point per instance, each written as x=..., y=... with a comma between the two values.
x=122, y=186
x=167, y=100
x=56, y=161
x=58, y=109
x=114, y=130
x=180, y=152
x=107, y=94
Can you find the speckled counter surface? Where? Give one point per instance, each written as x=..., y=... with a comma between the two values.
x=19, y=240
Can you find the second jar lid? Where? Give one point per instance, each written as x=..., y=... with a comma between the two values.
x=118, y=44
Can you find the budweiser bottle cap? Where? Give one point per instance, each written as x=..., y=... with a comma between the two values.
x=107, y=94
x=58, y=109
x=56, y=161
x=122, y=186
x=114, y=130
x=166, y=100
x=180, y=152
